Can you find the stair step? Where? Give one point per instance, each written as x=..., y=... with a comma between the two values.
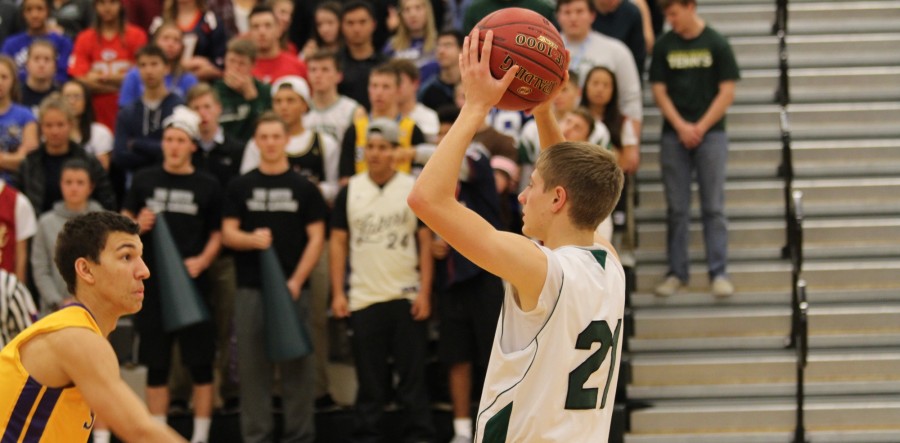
x=830, y=436
x=805, y=18
x=819, y=51
x=763, y=367
x=744, y=297
x=785, y=389
x=850, y=340
x=825, y=415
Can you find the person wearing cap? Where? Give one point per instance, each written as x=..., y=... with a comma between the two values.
x=190, y=202
x=273, y=206
x=390, y=278
x=272, y=61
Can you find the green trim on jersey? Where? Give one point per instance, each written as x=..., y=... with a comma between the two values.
x=496, y=427
x=600, y=256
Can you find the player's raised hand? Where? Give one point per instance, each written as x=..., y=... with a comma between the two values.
x=482, y=89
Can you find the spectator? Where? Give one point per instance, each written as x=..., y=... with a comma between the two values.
x=218, y=155
x=139, y=128
x=141, y=13
x=621, y=20
x=426, y=119
x=600, y=97
x=93, y=137
x=327, y=33
x=389, y=287
x=358, y=56
x=204, y=36
x=272, y=61
x=589, y=48
x=693, y=75
x=170, y=39
x=284, y=12
x=41, y=169
x=243, y=97
x=17, y=225
x=77, y=186
x=40, y=70
x=36, y=13
x=478, y=9
x=330, y=112
x=72, y=16
x=416, y=38
x=273, y=205
x=384, y=84
x=191, y=203
x=438, y=91
x=18, y=129
x=103, y=55
x=469, y=298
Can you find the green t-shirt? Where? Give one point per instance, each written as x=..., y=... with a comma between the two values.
x=479, y=9
x=692, y=71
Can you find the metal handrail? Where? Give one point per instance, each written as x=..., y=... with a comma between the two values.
x=802, y=339
x=795, y=255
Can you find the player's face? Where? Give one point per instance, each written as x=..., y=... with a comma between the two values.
x=265, y=30
x=120, y=272
x=414, y=15
x=379, y=154
x=74, y=96
x=447, y=51
x=357, y=27
x=209, y=110
x=283, y=11
x=35, y=13
x=289, y=106
x=177, y=149
x=679, y=17
x=328, y=26
x=599, y=88
x=323, y=75
x=107, y=10
x=75, y=186
x=382, y=91
x=574, y=128
x=567, y=98
x=535, y=202
x=169, y=40
x=55, y=128
x=575, y=19
x=41, y=65
x=271, y=140
x=153, y=71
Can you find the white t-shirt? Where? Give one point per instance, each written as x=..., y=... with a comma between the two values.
x=427, y=121
x=26, y=221
x=333, y=120
x=600, y=50
x=101, y=141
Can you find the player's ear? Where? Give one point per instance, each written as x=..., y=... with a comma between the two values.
x=559, y=198
x=83, y=270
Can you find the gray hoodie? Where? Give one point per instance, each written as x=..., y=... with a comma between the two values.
x=47, y=278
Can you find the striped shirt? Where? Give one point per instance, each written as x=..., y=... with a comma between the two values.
x=17, y=308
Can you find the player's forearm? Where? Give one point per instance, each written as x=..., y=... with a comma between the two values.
x=548, y=128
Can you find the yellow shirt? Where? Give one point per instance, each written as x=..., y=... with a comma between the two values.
x=405, y=125
x=31, y=412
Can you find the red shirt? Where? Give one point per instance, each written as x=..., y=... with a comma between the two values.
x=112, y=56
x=8, y=229
x=269, y=70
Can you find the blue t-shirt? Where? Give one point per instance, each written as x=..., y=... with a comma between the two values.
x=12, y=125
x=133, y=88
x=16, y=46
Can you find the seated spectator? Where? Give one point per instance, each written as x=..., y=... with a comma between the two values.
x=93, y=137
x=426, y=119
x=204, y=36
x=36, y=14
x=170, y=39
x=326, y=34
x=329, y=111
x=40, y=70
x=416, y=37
x=18, y=129
x=17, y=225
x=40, y=171
x=139, y=128
x=243, y=97
x=272, y=61
x=76, y=186
x=621, y=20
x=72, y=16
x=103, y=55
x=438, y=91
x=358, y=56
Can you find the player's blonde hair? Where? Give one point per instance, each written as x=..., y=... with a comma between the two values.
x=589, y=174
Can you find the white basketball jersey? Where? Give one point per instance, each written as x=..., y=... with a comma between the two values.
x=556, y=380
x=333, y=120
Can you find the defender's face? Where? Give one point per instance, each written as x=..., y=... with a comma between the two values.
x=120, y=272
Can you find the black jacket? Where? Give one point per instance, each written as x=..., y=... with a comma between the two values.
x=33, y=177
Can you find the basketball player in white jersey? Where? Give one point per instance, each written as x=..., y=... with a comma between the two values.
x=555, y=359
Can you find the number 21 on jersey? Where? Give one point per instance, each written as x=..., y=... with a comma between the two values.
x=577, y=396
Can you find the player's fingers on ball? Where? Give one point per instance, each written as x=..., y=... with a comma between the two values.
x=486, y=49
x=473, y=46
x=509, y=76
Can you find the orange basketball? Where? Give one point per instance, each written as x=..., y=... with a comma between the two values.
x=525, y=38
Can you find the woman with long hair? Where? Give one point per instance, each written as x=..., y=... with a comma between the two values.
x=326, y=35
x=416, y=37
x=94, y=137
x=103, y=55
x=204, y=36
x=178, y=81
x=18, y=128
x=601, y=97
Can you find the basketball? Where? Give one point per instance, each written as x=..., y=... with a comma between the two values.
x=525, y=38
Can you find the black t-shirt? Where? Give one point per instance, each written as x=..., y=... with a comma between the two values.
x=53, y=192
x=32, y=99
x=191, y=205
x=285, y=203
x=223, y=161
x=356, y=75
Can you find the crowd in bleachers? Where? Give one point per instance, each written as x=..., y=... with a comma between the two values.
x=163, y=109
